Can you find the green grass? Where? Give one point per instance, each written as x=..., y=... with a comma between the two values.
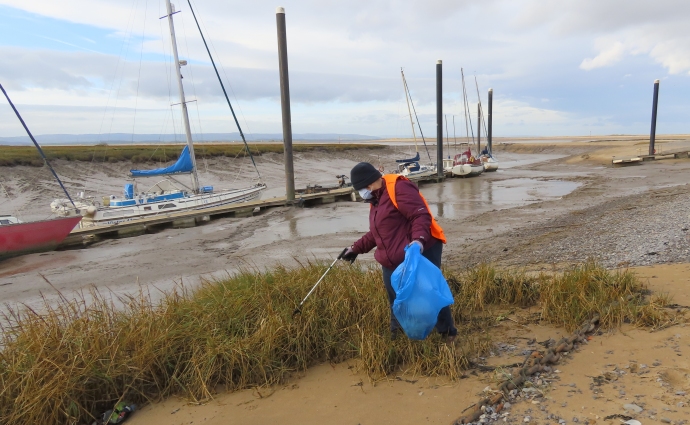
x=28, y=155
x=75, y=359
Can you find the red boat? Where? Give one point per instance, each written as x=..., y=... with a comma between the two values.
x=18, y=238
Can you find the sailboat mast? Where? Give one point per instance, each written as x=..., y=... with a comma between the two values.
x=409, y=111
x=183, y=104
x=465, y=107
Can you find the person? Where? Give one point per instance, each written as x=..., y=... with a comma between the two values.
x=399, y=216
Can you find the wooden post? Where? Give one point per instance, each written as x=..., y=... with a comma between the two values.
x=285, y=104
x=652, y=135
x=439, y=118
x=489, y=121
x=479, y=127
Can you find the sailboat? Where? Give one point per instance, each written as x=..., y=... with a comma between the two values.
x=17, y=237
x=485, y=156
x=465, y=164
x=168, y=195
x=409, y=167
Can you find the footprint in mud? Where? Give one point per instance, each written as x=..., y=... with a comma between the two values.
x=677, y=378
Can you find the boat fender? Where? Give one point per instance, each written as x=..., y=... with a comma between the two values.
x=91, y=211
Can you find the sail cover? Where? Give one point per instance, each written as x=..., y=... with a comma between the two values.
x=403, y=161
x=183, y=165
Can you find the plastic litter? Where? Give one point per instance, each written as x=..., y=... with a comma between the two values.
x=119, y=414
x=632, y=422
x=421, y=292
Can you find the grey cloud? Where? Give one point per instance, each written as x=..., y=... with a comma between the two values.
x=569, y=17
x=71, y=71
x=44, y=68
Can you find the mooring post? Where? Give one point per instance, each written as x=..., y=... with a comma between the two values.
x=285, y=104
x=489, y=122
x=479, y=127
x=439, y=118
x=652, y=134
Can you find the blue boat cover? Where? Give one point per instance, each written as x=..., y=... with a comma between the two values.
x=183, y=165
x=129, y=191
x=415, y=159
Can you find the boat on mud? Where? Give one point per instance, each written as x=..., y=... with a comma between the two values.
x=411, y=167
x=466, y=165
x=489, y=162
x=19, y=238
x=168, y=195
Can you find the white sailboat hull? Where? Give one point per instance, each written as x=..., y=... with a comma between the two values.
x=97, y=215
x=467, y=170
x=490, y=163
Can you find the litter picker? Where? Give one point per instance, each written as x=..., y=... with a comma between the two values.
x=298, y=310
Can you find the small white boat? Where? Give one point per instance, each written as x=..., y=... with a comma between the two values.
x=467, y=170
x=490, y=163
x=421, y=169
x=466, y=165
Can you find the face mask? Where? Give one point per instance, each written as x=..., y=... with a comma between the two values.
x=365, y=193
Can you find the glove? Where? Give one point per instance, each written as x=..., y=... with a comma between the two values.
x=417, y=243
x=349, y=255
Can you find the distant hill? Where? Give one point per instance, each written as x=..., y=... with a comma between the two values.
x=115, y=138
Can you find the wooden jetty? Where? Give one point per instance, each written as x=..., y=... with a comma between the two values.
x=636, y=159
x=136, y=227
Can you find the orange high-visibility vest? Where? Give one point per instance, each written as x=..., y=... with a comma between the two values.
x=390, y=180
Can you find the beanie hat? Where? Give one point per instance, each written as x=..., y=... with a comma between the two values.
x=363, y=174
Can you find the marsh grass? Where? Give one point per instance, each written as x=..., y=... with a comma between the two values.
x=77, y=358
x=27, y=155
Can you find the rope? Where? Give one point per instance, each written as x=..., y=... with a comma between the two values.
x=224, y=92
x=481, y=109
x=225, y=73
x=117, y=65
x=119, y=86
x=196, y=104
x=141, y=54
x=417, y=118
x=40, y=151
x=467, y=112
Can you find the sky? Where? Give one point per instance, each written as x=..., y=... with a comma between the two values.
x=566, y=67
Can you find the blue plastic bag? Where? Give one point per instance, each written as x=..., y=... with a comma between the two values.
x=421, y=292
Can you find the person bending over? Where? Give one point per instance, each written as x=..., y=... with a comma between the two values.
x=399, y=216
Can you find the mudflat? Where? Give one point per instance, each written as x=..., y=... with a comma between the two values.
x=553, y=202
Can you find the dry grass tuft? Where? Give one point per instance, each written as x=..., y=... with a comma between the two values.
x=77, y=358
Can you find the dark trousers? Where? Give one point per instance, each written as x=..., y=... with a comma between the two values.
x=444, y=322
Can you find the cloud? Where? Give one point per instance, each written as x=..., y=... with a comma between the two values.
x=607, y=56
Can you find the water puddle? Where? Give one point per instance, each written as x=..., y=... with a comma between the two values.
x=308, y=222
x=453, y=199
x=458, y=199
x=520, y=160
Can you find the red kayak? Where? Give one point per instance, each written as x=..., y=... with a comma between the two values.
x=35, y=236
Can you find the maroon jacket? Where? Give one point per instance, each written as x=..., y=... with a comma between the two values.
x=391, y=229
